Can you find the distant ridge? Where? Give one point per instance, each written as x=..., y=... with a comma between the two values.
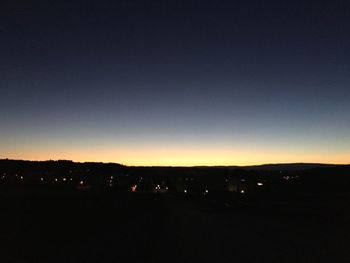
x=262, y=167
x=290, y=166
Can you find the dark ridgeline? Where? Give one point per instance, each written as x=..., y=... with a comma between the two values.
x=62, y=211
x=65, y=174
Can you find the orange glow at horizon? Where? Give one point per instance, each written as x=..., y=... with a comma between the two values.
x=176, y=156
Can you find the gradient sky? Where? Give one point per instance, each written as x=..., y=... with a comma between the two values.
x=175, y=82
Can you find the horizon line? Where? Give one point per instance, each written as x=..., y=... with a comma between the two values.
x=189, y=166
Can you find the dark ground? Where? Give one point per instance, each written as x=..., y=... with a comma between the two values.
x=81, y=227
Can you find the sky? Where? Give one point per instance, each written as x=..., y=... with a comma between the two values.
x=175, y=82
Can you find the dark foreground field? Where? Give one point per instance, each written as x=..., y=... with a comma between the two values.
x=93, y=227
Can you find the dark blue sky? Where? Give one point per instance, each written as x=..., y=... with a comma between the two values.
x=175, y=82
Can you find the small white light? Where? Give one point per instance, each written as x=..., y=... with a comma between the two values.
x=41, y=179
x=260, y=184
x=185, y=191
x=242, y=191
x=206, y=191
x=64, y=179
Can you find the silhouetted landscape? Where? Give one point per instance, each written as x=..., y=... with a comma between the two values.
x=62, y=211
x=174, y=131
